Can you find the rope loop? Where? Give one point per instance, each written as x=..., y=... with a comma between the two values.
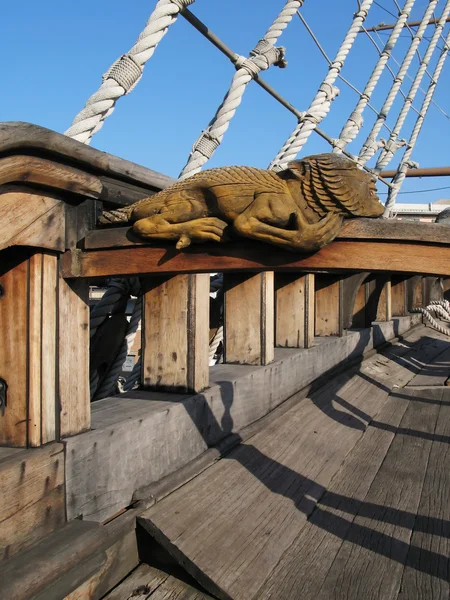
x=125, y=71
x=182, y=4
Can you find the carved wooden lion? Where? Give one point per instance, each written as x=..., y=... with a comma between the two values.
x=300, y=208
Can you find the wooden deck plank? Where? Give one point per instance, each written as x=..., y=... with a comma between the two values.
x=370, y=562
x=306, y=563
x=268, y=485
x=149, y=583
x=427, y=572
x=436, y=372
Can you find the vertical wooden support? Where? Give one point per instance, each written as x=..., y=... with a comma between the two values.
x=329, y=305
x=384, y=308
x=73, y=356
x=292, y=317
x=249, y=318
x=176, y=332
x=398, y=297
x=28, y=350
x=378, y=299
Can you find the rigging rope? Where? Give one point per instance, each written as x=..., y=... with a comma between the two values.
x=391, y=146
x=327, y=92
x=355, y=121
x=125, y=72
x=406, y=160
x=371, y=145
x=264, y=55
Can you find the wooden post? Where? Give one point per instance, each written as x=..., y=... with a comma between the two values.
x=293, y=310
x=328, y=299
x=398, y=297
x=73, y=356
x=249, y=318
x=176, y=332
x=378, y=299
x=28, y=303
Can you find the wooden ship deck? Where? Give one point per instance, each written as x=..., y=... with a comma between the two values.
x=313, y=463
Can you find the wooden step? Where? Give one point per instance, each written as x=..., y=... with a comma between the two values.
x=81, y=561
x=149, y=583
x=232, y=525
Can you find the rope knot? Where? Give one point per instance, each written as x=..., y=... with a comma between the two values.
x=263, y=55
x=331, y=91
x=125, y=71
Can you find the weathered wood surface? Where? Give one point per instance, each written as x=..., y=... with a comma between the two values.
x=329, y=305
x=175, y=333
x=47, y=173
x=398, y=296
x=293, y=310
x=249, y=319
x=149, y=583
x=141, y=426
x=232, y=524
x=435, y=373
x=16, y=137
x=340, y=256
x=29, y=218
x=352, y=229
x=32, y=493
x=73, y=357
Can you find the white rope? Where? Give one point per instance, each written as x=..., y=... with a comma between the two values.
x=406, y=160
x=391, y=145
x=371, y=145
x=427, y=314
x=215, y=342
x=125, y=72
x=261, y=58
x=327, y=92
x=108, y=384
x=355, y=121
x=114, y=296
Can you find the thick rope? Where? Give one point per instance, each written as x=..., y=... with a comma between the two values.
x=117, y=291
x=125, y=72
x=264, y=55
x=392, y=144
x=406, y=160
x=327, y=92
x=355, y=121
x=371, y=145
x=426, y=312
x=108, y=384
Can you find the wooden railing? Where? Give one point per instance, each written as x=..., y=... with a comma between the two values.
x=277, y=307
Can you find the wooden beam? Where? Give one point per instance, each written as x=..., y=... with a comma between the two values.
x=328, y=299
x=352, y=229
x=175, y=333
x=398, y=297
x=293, y=310
x=32, y=493
x=341, y=256
x=73, y=357
x=354, y=301
x=249, y=319
x=28, y=350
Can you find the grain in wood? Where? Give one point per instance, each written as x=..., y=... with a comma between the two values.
x=175, y=333
x=328, y=299
x=73, y=357
x=32, y=492
x=249, y=319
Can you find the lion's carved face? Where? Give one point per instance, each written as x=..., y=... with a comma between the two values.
x=334, y=183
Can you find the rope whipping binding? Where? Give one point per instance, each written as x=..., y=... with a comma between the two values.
x=264, y=55
x=392, y=145
x=327, y=92
x=355, y=121
x=406, y=162
x=372, y=145
x=125, y=73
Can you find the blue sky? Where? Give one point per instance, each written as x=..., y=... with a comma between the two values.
x=54, y=54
